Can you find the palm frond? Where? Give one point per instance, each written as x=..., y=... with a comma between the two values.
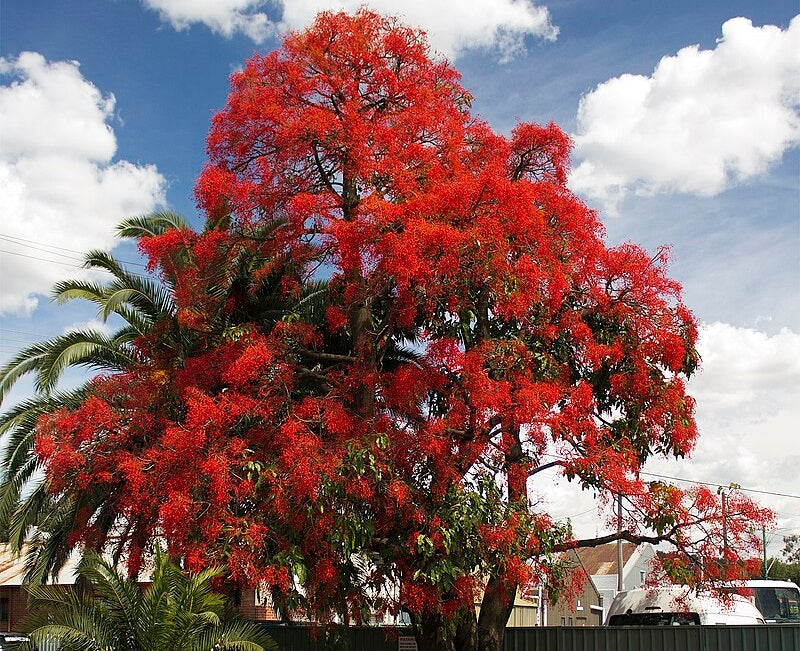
x=99, y=259
x=121, y=594
x=156, y=223
x=236, y=636
x=315, y=301
x=20, y=501
x=74, y=621
x=87, y=348
x=20, y=420
x=48, y=550
x=65, y=291
x=145, y=296
x=25, y=361
x=49, y=359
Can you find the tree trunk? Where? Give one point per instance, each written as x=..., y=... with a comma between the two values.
x=431, y=634
x=499, y=595
x=498, y=601
x=467, y=632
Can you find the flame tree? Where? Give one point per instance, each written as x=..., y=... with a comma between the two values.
x=373, y=445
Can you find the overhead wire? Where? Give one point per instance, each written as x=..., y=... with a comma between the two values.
x=72, y=265
x=709, y=483
x=706, y=483
x=34, y=244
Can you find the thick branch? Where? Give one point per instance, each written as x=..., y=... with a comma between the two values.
x=325, y=357
x=617, y=535
x=545, y=466
x=322, y=172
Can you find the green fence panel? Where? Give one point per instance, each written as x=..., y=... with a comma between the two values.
x=685, y=638
x=304, y=638
x=558, y=638
x=751, y=638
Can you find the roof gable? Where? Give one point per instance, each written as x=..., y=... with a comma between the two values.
x=603, y=558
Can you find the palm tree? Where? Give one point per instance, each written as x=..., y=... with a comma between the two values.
x=176, y=612
x=31, y=517
x=25, y=499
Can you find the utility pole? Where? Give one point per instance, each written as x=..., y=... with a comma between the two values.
x=724, y=519
x=764, y=570
x=619, y=543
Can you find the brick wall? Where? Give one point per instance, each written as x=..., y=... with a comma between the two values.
x=17, y=607
x=252, y=609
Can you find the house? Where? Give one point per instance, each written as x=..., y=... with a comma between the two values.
x=582, y=609
x=530, y=609
x=14, y=594
x=601, y=565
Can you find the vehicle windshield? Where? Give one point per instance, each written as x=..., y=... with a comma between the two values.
x=778, y=604
x=655, y=619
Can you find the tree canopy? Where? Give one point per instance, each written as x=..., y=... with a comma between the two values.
x=394, y=322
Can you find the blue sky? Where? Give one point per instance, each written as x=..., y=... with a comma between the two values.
x=694, y=148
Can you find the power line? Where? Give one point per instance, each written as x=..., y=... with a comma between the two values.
x=18, y=341
x=24, y=332
x=66, y=264
x=35, y=257
x=21, y=241
x=592, y=510
x=45, y=249
x=703, y=483
x=6, y=236
x=708, y=483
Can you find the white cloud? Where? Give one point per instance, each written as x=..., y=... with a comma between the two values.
x=95, y=325
x=702, y=122
x=226, y=17
x=745, y=370
x=453, y=26
x=60, y=186
x=747, y=414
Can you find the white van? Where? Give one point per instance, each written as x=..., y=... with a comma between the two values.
x=778, y=601
x=679, y=606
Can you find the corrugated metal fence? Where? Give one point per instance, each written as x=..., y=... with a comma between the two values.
x=664, y=638
x=684, y=638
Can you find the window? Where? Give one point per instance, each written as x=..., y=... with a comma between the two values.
x=579, y=605
x=563, y=621
x=5, y=624
x=642, y=575
x=655, y=619
x=779, y=604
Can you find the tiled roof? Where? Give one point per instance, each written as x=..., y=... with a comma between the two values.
x=12, y=568
x=603, y=559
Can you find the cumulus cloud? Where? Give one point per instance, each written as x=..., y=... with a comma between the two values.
x=747, y=415
x=60, y=183
x=702, y=122
x=226, y=17
x=745, y=370
x=453, y=26
x=95, y=325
